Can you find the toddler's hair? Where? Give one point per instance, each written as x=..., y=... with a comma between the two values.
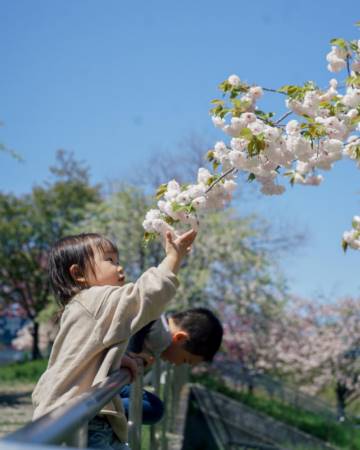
x=204, y=330
x=79, y=250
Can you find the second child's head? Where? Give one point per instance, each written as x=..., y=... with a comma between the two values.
x=82, y=261
x=196, y=337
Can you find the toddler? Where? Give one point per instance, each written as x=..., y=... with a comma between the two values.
x=100, y=313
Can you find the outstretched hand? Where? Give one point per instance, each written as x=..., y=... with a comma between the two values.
x=177, y=248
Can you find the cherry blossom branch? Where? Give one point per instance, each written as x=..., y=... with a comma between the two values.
x=283, y=117
x=273, y=90
x=225, y=174
x=348, y=65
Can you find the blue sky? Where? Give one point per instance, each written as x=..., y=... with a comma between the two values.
x=116, y=80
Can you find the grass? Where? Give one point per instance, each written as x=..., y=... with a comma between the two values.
x=22, y=372
x=341, y=435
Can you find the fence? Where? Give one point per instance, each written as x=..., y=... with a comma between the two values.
x=240, y=378
x=68, y=423
x=235, y=425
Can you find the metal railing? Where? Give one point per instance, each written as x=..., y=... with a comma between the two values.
x=242, y=379
x=67, y=424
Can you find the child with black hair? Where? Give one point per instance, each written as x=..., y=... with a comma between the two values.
x=100, y=313
x=186, y=337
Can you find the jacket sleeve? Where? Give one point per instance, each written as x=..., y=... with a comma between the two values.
x=122, y=311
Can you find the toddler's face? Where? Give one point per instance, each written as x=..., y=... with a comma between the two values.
x=108, y=272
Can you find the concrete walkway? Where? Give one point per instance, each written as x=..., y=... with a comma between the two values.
x=15, y=407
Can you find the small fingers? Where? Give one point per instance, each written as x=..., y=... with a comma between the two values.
x=189, y=236
x=169, y=237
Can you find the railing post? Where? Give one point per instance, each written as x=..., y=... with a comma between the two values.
x=79, y=438
x=166, y=378
x=135, y=412
x=156, y=372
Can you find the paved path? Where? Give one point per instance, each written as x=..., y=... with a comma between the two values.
x=15, y=407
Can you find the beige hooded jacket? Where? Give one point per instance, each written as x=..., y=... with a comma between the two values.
x=93, y=335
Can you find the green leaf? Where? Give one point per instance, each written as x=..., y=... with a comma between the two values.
x=251, y=177
x=265, y=117
x=149, y=237
x=225, y=86
x=212, y=179
x=355, y=121
x=353, y=80
x=216, y=164
x=344, y=245
x=217, y=101
x=339, y=42
x=354, y=46
x=289, y=89
x=246, y=133
x=161, y=191
x=216, y=110
x=240, y=106
x=309, y=118
x=170, y=220
x=177, y=207
x=223, y=113
x=210, y=155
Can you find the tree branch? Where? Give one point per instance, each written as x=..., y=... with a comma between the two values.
x=273, y=90
x=233, y=169
x=283, y=117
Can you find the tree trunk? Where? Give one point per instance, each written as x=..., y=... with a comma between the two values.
x=341, y=394
x=36, y=354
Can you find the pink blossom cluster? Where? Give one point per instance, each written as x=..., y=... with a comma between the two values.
x=326, y=130
x=352, y=238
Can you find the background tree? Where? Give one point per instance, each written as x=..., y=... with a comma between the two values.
x=322, y=347
x=313, y=345
x=29, y=224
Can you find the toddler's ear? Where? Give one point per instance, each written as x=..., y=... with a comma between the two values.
x=76, y=274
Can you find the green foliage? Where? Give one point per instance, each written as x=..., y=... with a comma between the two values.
x=149, y=237
x=225, y=86
x=24, y=372
x=212, y=179
x=312, y=130
x=161, y=191
x=340, y=42
x=235, y=106
x=29, y=224
x=176, y=207
x=353, y=80
x=265, y=117
x=247, y=134
x=296, y=92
